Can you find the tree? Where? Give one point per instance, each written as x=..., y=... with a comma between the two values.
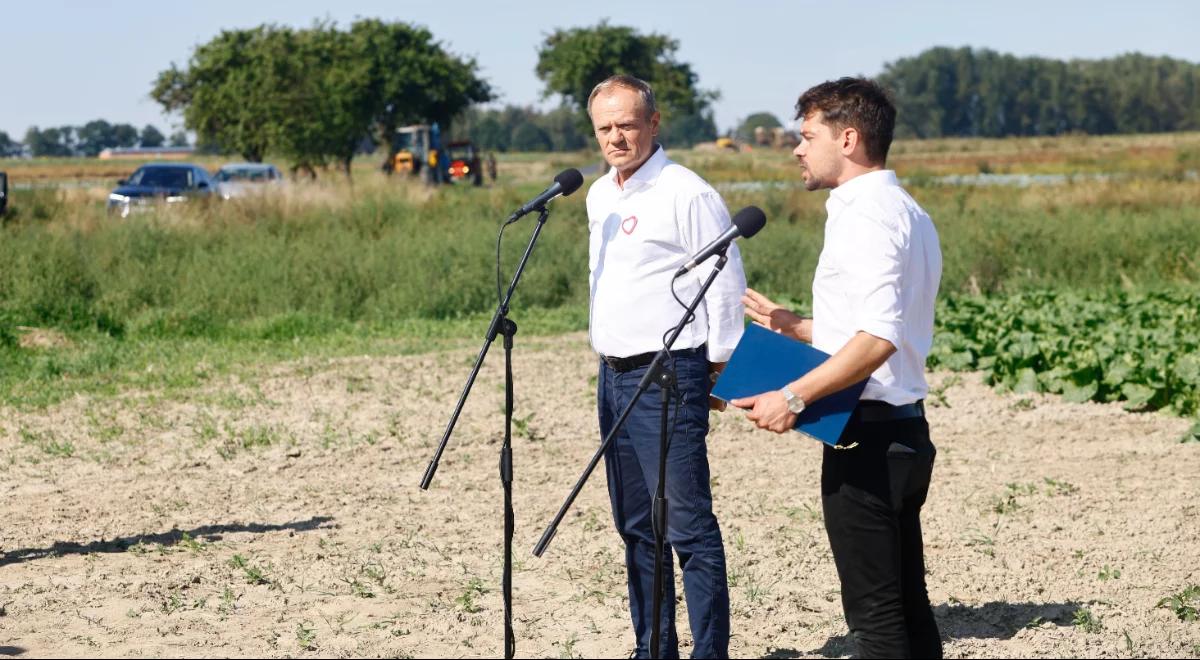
x=529, y=137
x=7, y=145
x=315, y=94
x=98, y=135
x=768, y=121
x=151, y=137
x=58, y=142
x=230, y=93
x=332, y=101
x=179, y=138
x=413, y=79
x=571, y=63
x=687, y=130
x=967, y=92
x=561, y=127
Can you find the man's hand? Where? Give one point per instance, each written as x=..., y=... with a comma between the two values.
x=714, y=370
x=768, y=411
x=771, y=316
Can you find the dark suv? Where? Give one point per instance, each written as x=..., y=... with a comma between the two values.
x=169, y=183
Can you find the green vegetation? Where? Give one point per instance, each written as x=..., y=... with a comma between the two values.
x=314, y=94
x=1185, y=605
x=571, y=62
x=1087, y=621
x=969, y=92
x=1085, y=289
x=1141, y=348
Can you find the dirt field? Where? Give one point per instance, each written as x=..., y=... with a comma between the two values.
x=279, y=515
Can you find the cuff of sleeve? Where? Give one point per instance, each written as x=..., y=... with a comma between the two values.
x=719, y=353
x=889, y=332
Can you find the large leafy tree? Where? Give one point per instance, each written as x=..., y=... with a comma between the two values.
x=571, y=62
x=315, y=94
x=413, y=79
x=230, y=92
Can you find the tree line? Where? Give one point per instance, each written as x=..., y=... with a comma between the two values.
x=89, y=139
x=316, y=95
x=965, y=92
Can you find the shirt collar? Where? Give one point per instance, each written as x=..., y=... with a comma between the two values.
x=850, y=190
x=647, y=174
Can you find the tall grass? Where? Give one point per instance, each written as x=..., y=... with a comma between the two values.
x=380, y=253
x=332, y=264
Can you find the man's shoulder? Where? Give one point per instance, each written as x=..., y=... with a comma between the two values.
x=682, y=181
x=889, y=206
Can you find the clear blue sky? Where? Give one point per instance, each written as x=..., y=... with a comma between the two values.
x=69, y=62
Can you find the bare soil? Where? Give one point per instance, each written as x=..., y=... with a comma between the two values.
x=280, y=515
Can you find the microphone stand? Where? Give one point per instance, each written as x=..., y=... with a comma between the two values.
x=658, y=373
x=501, y=325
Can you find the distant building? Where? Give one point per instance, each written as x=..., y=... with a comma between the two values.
x=143, y=153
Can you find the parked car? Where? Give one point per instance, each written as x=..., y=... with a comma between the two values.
x=168, y=183
x=238, y=179
x=3, y=193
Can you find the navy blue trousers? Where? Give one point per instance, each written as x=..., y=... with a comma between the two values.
x=631, y=464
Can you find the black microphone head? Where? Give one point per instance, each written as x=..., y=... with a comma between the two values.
x=749, y=221
x=570, y=180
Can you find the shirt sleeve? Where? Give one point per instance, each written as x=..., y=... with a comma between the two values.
x=876, y=275
x=707, y=218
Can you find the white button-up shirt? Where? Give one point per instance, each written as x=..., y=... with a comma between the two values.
x=639, y=236
x=879, y=273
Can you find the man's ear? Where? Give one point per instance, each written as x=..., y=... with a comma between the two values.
x=849, y=140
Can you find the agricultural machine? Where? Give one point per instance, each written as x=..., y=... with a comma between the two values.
x=420, y=152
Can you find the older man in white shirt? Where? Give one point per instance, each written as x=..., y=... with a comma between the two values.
x=873, y=301
x=646, y=218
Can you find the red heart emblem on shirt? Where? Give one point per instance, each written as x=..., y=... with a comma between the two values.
x=629, y=224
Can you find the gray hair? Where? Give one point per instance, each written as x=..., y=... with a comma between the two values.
x=627, y=82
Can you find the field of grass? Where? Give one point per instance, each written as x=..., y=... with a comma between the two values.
x=213, y=418
x=382, y=264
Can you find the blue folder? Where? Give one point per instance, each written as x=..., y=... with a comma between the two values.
x=765, y=361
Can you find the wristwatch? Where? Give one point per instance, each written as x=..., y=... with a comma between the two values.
x=794, y=403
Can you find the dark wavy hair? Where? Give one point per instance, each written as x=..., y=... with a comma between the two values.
x=856, y=103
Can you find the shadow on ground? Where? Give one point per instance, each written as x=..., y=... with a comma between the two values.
x=996, y=620
x=168, y=538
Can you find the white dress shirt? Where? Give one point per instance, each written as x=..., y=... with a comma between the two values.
x=879, y=273
x=639, y=236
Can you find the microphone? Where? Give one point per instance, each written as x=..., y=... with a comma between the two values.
x=746, y=223
x=567, y=182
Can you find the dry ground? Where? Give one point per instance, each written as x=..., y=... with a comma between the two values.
x=279, y=515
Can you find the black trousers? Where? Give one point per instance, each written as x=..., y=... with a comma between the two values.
x=872, y=496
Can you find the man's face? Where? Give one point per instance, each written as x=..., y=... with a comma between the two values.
x=625, y=134
x=819, y=152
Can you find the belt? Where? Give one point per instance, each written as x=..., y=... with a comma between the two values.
x=880, y=411
x=623, y=364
